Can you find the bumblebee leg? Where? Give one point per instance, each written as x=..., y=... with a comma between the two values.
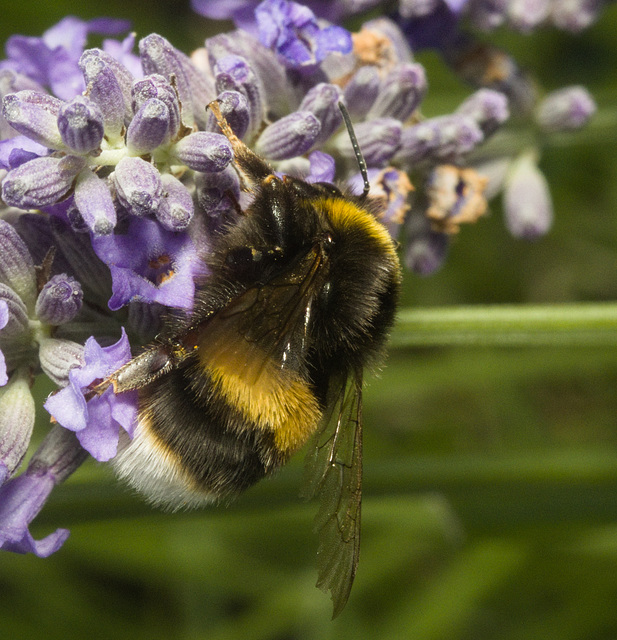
x=249, y=163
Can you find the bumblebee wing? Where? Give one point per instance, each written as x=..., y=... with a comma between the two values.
x=267, y=324
x=334, y=471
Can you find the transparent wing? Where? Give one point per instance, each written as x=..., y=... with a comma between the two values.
x=268, y=323
x=334, y=473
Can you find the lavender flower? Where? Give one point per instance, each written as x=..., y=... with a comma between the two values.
x=293, y=32
x=455, y=197
x=22, y=498
x=567, y=109
x=242, y=11
x=80, y=123
x=528, y=206
x=132, y=178
x=426, y=249
x=59, y=301
x=290, y=136
x=121, y=119
x=52, y=60
x=96, y=423
x=149, y=264
x=16, y=423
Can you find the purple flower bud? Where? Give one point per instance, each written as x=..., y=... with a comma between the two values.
x=265, y=63
x=362, y=90
x=40, y=182
x=149, y=128
x=458, y=135
x=379, y=140
x=59, y=301
x=426, y=249
x=16, y=423
x=34, y=115
x=195, y=89
x=77, y=250
x=400, y=93
x=234, y=73
x=526, y=15
x=23, y=497
x=58, y=357
x=217, y=195
x=440, y=139
x=204, y=151
x=18, y=314
x=94, y=202
x=487, y=108
x=16, y=265
x=575, y=15
x=418, y=142
x=322, y=101
x=176, y=210
x=156, y=86
x=80, y=123
x=138, y=185
x=290, y=136
x=109, y=85
x=416, y=8
x=12, y=82
x=234, y=108
x=568, y=109
x=528, y=207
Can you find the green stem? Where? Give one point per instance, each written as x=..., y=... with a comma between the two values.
x=508, y=325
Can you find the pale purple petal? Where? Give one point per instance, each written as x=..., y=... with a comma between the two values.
x=149, y=264
x=21, y=499
x=20, y=149
x=96, y=422
x=322, y=167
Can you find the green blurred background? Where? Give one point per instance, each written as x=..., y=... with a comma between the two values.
x=490, y=502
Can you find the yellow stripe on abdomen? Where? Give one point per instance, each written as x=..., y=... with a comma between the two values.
x=269, y=397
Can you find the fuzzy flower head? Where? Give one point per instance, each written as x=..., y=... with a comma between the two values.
x=127, y=146
x=116, y=180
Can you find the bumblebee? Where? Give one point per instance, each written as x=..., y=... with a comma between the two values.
x=300, y=298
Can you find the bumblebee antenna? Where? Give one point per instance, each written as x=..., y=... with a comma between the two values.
x=356, y=149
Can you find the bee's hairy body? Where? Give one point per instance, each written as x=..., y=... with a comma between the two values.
x=300, y=297
x=302, y=292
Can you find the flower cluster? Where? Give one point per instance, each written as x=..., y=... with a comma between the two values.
x=115, y=177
